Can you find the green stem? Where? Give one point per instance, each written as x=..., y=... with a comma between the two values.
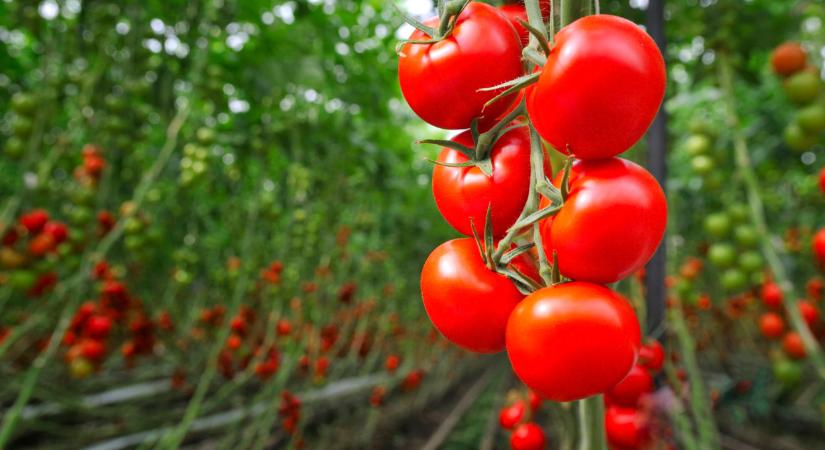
x=572, y=10
x=591, y=424
x=757, y=210
x=535, y=19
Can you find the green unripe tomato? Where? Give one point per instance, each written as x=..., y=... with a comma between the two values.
x=15, y=147
x=205, y=136
x=739, y=212
x=684, y=288
x=23, y=104
x=133, y=242
x=702, y=164
x=751, y=261
x=697, y=144
x=21, y=126
x=722, y=255
x=734, y=280
x=787, y=372
x=803, y=87
x=746, y=236
x=717, y=225
x=812, y=119
x=80, y=215
x=797, y=139
x=21, y=279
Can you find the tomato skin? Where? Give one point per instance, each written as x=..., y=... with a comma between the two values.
x=463, y=194
x=772, y=295
x=788, y=58
x=771, y=325
x=600, y=89
x=628, y=391
x=511, y=416
x=516, y=11
x=468, y=303
x=652, y=356
x=558, y=318
x=819, y=247
x=441, y=81
x=625, y=428
x=611, y=223
x=528, y=437
x=809, y=312
x=793, y=345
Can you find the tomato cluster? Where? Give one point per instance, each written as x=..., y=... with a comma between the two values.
x=518, y=418
x=601, y=218
x=802, y=86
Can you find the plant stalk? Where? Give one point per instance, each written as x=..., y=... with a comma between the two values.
x=591, y=424
x=572, y=10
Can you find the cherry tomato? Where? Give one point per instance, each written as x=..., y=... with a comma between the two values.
x=511, y=416
x=34, y=220
x=793, y=345
x=600, y=88
x=626, y=428
x=441, y=81
x=528, y=437
x=652, y=356
x=628, y=391
x=467, y=302
x=464, y=193
x=787, y=372
x=809, y=312
x=610, y=225
x=557, y=318
x=57, y=230
x=822, y=180
x=803, y=88
x=771, y=325
x=819, y=246
x=788, y=58
x=771, y=295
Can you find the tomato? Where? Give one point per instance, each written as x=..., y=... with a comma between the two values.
x=697, y=144
x=626, y=428
x=793, y=345
x=546, y=346
x=98, y=327
x=41, y=244
x=717, y=225
x=722, y=255
x=797, y=139
x=819, y=246
x=515, y=11
x=746, y=236
x=535, y=401
x=601, y=87
x=441, y=81
x=734, y=280
x=809, y=312
x=787, y=372
x=34, y=220
x=511, y=416
x=392, y=363
x=803, y=87
x=771, y=325
x=771, y=295
x=628, y=391
x=812, y=119
x=57, y=230
x=528, y=437
x=652, y=356
x=611, y=223
x=467, y=302
x=815, y=286
x=702, y=164
x=463, y=194
x=788, y=58
x=751, y=261
x=822, y=180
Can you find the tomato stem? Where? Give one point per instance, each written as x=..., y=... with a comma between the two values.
x=591, y=424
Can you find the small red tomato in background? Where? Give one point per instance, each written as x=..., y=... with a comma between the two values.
x=628, y=392
x=283, y=327
x=793, y=345
x=58, y=231
x=611, y=223
x=815, y=287
x=535, y=400
x=771, y=325
x=809, y=312
x=557, y=318
x=467, y=302
x=788, y=58
x=819, y=247
x=822, y=180
x=511, y=416
x=626, y=428
x=528, y=436
x=463, y=194
x=98, y=327
x=771, y=295
x=34, y=220
x=392, y=363
x=41, y=244
x=461, y=65
x=600, y=89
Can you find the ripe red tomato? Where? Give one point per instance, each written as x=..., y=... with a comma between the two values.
x=628, y=391
x=600, y=89
x=392, y=363
x=441, y=81
x=516, y=11
x=557, y=318
x=819, y=246
x=93, y=350
x=510, y=416
x=464, y=193
x=610, y=225
x=626, y=428
x=771, y=325
x=822, y=180
x=528, y=436
x=793, y=345
x=467, y=302
x=34, y=220
x=772, y=295
x=98, y=327
x=809, y=312
x=57, y=230
x=652, y=356
x=788, y=58
x=41, y=244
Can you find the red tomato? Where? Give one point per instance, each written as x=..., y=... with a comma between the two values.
x=467, y=302
x=34, y=220
x=441, y=81
x=392, y=363
x=772, y=295
x=572, y=340
x=793, y=345
x=819, y=246
x=771, y=325
x=822, y=180
x=788, y=58
x=98, y=327
x=283, y=327
x=815, y=286
x=628, y=391
x=57, y=230
x=516, y=11
x=511, y=416
x=93, y=350
x=652, y=356
x=535, y=401
x=610, y=225
x=464, y=193
x=808, y=311
x=41, y=244
x=600, y=89
x=626, y=428
x=528, y=437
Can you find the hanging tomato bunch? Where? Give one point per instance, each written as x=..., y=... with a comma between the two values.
x=530, y=277
x=802, y=86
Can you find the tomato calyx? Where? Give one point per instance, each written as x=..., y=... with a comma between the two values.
x=448, y=12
